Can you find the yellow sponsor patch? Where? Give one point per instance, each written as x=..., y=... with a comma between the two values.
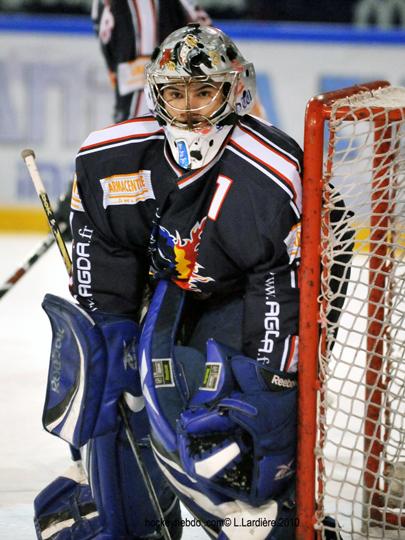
x=127, y=188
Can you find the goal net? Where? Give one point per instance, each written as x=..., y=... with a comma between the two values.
x=351, y=455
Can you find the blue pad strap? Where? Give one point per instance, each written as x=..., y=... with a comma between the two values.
x=252, y=376
x=218, y=380
x=117, y=506
x=65, y=510
x=91, y=365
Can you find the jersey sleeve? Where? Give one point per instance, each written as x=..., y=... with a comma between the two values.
x=270, y=331
x=106, y=275
x=103, y=25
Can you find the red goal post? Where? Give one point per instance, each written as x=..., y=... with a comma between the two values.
x=351, y=440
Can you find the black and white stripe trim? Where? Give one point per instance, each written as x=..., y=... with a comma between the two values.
x=129, y=132
x=272, y=144
x=262, y=169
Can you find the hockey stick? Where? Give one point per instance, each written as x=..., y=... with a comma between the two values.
x=29, y=159
x=40, y=250
x=29, y=263
x=162, y=527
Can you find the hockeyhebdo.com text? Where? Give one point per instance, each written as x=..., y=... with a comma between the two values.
x=234, y=522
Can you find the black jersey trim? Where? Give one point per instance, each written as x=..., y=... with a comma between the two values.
x=190, y=178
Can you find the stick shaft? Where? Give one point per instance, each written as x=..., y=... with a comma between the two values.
x=29, y=263
x=144, y=472
x=43, y=196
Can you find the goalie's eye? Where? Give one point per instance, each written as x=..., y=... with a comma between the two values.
x=173, y=93
x=206, y=91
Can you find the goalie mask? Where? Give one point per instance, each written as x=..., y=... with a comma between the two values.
x=197, y=84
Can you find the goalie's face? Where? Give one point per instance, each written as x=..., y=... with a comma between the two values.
x=198, y=83
x=192, y=104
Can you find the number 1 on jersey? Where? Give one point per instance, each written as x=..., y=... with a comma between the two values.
x=223, y=185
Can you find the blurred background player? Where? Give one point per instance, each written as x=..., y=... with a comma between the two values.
x=129, y=31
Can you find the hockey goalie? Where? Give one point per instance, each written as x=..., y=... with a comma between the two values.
x=192, y=216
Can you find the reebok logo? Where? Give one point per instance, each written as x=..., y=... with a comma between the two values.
x=285, y=383
x=56, y=360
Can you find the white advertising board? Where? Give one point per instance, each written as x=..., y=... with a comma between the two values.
x=54, y=89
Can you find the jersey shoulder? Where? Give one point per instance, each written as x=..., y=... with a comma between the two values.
x=254, y=128
x=135, y=130
x=269, y=158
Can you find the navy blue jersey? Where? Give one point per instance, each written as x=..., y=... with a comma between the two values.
x=227, y=231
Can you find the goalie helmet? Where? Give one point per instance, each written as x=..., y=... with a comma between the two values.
x=197, y=84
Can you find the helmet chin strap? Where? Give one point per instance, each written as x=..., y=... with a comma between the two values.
x=193, y=150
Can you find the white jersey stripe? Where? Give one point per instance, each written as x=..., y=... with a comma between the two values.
x=292, y=365
x=281, y=184
x=135, y=24
x=293, y=280
x=285, y=353
x=274, y=161
x=119, y=131
x=277, y=148
x=295, y=209
x=144, y=11
x=264, y=152
x=121, y=143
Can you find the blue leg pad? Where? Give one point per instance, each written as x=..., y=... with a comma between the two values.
x=119, y=489
x=65, y=510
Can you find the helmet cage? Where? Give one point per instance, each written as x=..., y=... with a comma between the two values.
x=194, y=119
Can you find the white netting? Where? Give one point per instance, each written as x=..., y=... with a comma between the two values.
x=362, y=349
